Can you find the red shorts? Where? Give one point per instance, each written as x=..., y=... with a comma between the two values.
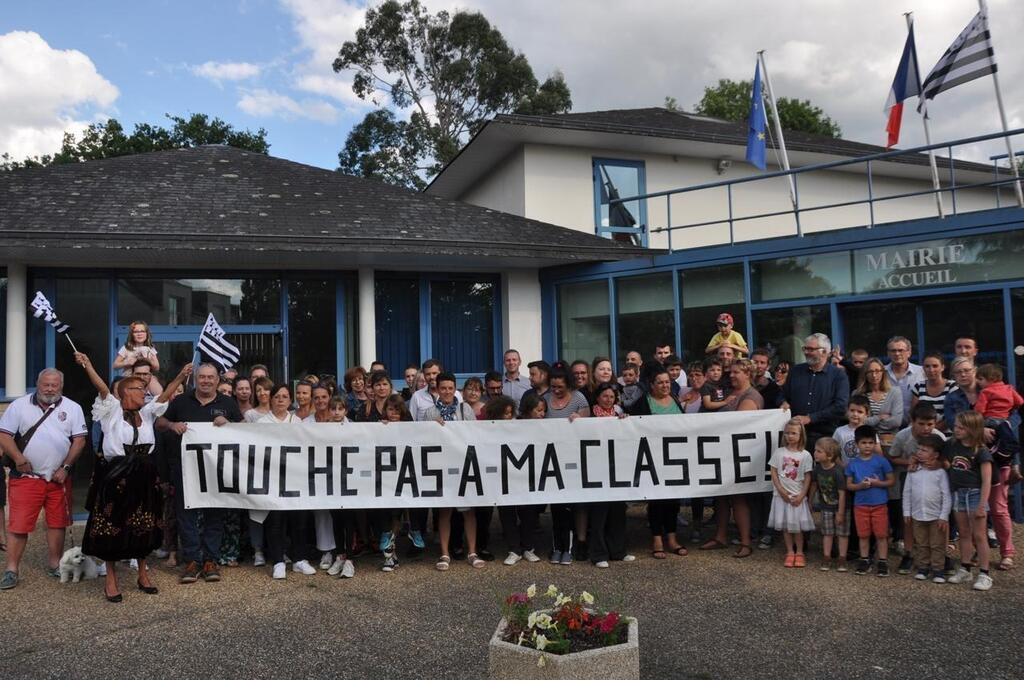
x=29, y=495
x=872, y=520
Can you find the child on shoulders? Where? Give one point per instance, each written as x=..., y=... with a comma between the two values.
x=726, y=337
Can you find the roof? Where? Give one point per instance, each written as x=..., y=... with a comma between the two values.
x=221, y=206
x=653, y=130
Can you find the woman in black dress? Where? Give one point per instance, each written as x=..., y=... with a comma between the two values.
x=125, y=501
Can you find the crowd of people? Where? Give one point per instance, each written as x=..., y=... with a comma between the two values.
x=891, y=454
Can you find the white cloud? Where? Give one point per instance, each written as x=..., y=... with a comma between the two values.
x=45, y=92
x=226, y=70
x=322, y=26
x=262, y=102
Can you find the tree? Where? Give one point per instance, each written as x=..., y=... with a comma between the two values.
x=107, y=140
x=452, y=71
x=730, y=100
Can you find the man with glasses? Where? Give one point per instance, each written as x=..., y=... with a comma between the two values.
x=493, y=385
x=816, y=392
x=902, y=373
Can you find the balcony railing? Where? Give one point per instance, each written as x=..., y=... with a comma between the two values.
x=945, y=197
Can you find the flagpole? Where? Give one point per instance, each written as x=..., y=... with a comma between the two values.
x=782, y=141
x=909, y=16
x=1002, y=117
x=69, y=340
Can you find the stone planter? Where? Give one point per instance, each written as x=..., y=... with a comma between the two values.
x=507, y=661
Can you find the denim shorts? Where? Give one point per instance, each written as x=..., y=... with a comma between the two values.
x=967, y=500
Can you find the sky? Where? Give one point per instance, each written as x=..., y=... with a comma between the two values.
x=267, y=63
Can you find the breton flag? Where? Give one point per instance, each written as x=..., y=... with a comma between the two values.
x=970, y=56
x=755, y=125
x=44, y=310
x=214, y=346
x=905, y=85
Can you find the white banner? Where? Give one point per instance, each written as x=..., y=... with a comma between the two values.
x=459, y=464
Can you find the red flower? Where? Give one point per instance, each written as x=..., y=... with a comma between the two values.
x=608, y=623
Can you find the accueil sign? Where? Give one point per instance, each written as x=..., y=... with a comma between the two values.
x=478, y=463
x=910, y=267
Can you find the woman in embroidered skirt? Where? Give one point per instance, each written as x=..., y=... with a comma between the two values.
x=125, y=502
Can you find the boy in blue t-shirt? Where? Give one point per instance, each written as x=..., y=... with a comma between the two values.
x=869, y=477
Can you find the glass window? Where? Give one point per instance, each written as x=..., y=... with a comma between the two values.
x=646, y=314
x=782, y=331
x=1017, y=306
x=869, y=325
x=584, y=320
x=398, y=322
x=462, y=325
x=189, y=301
x=978, y=315
x=85, y=305
x=790, y=278
x=615, y=179
x=706, y=293
x=941, y=262
x=312, y=327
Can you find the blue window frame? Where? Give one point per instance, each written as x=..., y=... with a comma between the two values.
x=620, y=179
x=453, y=318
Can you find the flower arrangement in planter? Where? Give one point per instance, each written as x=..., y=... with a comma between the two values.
x=561, y=624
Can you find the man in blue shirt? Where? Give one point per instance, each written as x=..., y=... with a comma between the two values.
x=816, y=392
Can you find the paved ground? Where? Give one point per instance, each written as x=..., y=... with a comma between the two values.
x=702, y=616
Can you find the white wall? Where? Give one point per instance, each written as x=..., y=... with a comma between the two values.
x=502, y=188
x=554, y=184
x=521, y=313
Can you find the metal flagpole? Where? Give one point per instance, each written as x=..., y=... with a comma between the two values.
x=927, y=133
x=782, y=141
x=1002, y=117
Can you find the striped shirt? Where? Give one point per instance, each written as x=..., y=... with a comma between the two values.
x=920, y=390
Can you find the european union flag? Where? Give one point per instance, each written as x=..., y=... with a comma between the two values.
x=755, y=126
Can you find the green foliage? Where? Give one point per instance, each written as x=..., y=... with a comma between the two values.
x=730, y=100
x=109, y=139
x=454, y=71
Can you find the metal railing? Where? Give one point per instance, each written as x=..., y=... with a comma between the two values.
x=1002, y=177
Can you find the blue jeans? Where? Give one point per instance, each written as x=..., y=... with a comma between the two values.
x=189, y=532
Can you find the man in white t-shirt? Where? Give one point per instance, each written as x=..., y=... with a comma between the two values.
x=902, y=373
x=40, y=477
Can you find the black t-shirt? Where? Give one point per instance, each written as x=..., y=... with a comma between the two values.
x=771, y=394
x=965, y=464
x=187, y=409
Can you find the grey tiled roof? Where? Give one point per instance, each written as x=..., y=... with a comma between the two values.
x=222, y=199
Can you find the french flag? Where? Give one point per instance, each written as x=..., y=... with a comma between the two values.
x=906, y=84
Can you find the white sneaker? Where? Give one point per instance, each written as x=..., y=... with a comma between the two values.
x=304, y=567
x=629, y=558
x=983, y=582
x=602, y=564
x=133, y=564
x=530, y=556
x=512, y=559
x=348, y=570
x=336, y=566
x=961, y=576
x=280, y=573
x=258, y=560
x=326, y=560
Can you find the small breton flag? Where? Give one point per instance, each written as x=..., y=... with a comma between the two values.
x=42, y=309
x=214, y=346
x=970, y=56
x=905, y=85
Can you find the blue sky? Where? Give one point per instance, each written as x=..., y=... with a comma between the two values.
x=266, y=63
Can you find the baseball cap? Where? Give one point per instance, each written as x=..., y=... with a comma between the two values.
x=725, y=317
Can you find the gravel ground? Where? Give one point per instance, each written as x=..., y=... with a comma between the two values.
x=706, y=615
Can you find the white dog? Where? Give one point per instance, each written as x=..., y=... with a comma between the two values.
x=76, y=565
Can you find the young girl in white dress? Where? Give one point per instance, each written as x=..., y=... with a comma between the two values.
x=791, y=476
